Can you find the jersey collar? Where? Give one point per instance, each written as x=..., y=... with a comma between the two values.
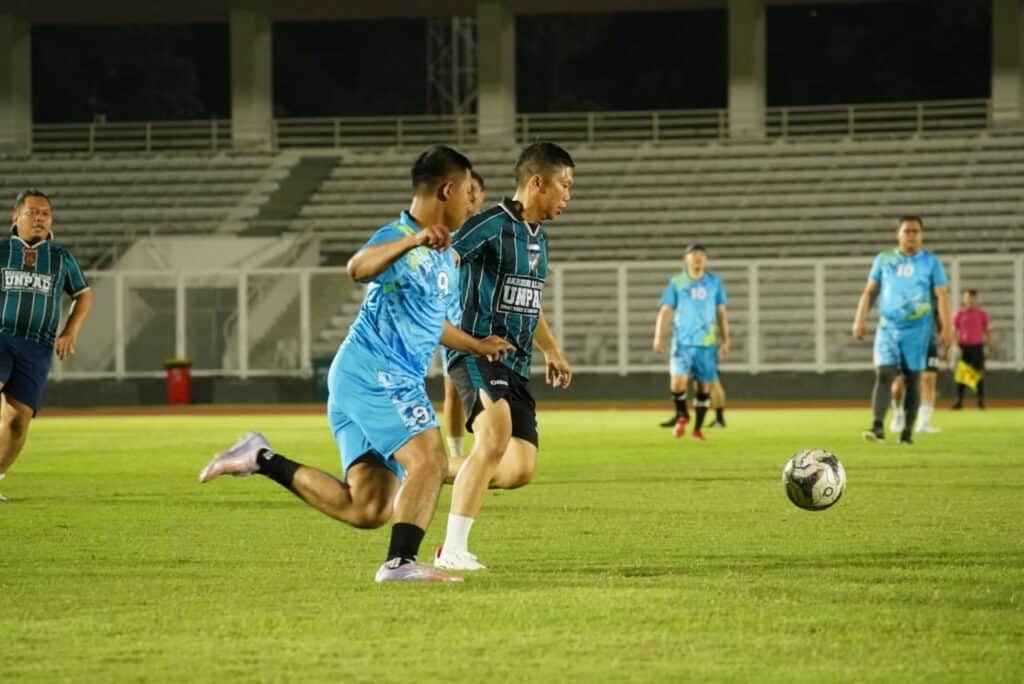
x=515, y=209
x=15, y=236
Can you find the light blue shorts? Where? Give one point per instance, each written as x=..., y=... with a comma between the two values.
x=373, y=411
x=903, y=347
x=700, y=362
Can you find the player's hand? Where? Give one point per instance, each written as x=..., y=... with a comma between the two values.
x=723, y=351
x=858, y=331
x=990, y=352
x=659, y=345
x=946, y=336
x=434, y=237
x=494, y=348
x=559, y=372
x=65, y=346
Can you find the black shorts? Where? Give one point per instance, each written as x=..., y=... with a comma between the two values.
x=934, y=362
x=472, y=374
x=24, y=365
x=973, y=355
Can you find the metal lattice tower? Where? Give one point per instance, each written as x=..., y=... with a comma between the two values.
x=451, y=65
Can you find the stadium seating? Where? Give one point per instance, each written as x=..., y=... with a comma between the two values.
x=749, y=200
x=746, y=201
x=102, y=204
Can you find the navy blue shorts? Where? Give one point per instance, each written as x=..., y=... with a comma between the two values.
x=24, y=365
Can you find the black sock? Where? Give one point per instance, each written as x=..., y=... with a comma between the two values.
x=980, y=391
x=680, y=401
x=911, y=400
x=405, y=541
x=960, y=387
x=277, y=467
x=720, y=415
x=702, y=403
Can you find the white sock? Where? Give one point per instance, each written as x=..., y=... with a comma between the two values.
x=924, y=414
x=457, y=537
x=898, y=412
x=454, y=446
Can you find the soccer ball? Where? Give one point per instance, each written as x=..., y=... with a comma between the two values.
x=814, y=479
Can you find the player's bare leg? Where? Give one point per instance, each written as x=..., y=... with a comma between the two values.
x=898, y=415
x=365, y=500
x=718, y=404
x=517, y=466
x=924, y=414
x=492, y=431
x=454, y=422
x=15, y=418
x=677, y=385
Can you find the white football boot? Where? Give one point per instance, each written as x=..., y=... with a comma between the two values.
x=456, y=560
x=2, y=497
x=239, y=460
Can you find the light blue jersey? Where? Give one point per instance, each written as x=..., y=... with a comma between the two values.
x=696, y=305
x=405, y=307
x=377, y=396
x=907, y=285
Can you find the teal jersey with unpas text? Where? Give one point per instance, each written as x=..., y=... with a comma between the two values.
x=403, y=313
x=696, y=305
x=503, y=266
x=34, y=277
x=907, y=286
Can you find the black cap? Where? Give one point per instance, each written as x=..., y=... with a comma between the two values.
x=695, y=247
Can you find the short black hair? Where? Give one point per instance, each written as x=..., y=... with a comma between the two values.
x=904, y=219
x=541, y=158
x=973, y=293
x=30, y=192
x=436, y=165
x=478, y=178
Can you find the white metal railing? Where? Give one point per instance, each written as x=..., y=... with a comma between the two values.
x=785, y=314
x=609, y=127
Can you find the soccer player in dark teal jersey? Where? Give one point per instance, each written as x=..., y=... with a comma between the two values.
x=393, y=461
x=454, y=415
x=503, y=254
x=35, y=274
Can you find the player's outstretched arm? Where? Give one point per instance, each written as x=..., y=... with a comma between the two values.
x=81, y=307
x=861, y=317
x=492, y=347
x=370, y=262
x=559, y=372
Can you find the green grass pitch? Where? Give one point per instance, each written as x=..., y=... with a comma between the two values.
x=632, y=557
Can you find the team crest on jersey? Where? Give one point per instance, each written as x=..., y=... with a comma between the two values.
x=520, y=295
x=15, y=280
x=533, y=250
x=30, y=257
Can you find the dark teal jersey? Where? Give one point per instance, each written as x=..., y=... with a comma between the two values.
x=503, y=265
x=34, y=278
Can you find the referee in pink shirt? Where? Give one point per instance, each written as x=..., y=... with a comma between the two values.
x=974, y=336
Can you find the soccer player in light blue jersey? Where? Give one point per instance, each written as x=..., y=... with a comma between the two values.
x=392, y=458
x=695, y=301
x=905, y=280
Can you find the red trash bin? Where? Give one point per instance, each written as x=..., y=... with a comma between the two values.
x=179, y=380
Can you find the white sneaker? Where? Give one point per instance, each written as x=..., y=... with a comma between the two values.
x=456, y=560
x=926, y=427
x=239, y=460
x=897, y=422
